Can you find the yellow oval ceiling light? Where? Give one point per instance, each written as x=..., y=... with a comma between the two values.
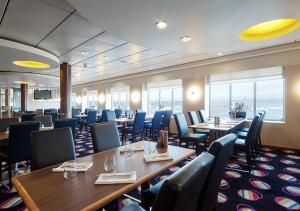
x=270, y=29
x=25, y=82
x=31, y=64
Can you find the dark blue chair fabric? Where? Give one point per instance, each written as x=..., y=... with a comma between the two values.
x=104, y=117
x=118, y=112
x=27, y=117
x=50, y=110
x=137, y=128
x=155, y=124
x=71, y=123
x=19, y=145
x=186, y=136
x=166, y=119
x=90, y=119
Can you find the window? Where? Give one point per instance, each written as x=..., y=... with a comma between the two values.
x=74, y=100
x=91, y=99
x=261, y=89
x=164, y=96
x=119, y=99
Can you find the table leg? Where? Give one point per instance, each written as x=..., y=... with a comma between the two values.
x=144, y=187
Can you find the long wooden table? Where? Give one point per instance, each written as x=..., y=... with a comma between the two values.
x=45, y=190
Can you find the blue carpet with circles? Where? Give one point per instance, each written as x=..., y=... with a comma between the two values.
x=274, y=183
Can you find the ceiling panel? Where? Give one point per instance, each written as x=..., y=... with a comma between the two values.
x=61, y=4
x=2, y=7
x=71, y=33
x=20, y=24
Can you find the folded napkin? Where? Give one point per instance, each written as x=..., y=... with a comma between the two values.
x=133, y=147
x=157, y=157
x=116, y=178
x=80, y=166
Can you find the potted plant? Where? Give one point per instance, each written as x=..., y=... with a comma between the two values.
x=238, y=110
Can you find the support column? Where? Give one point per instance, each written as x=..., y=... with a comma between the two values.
x=6, y=97
x=24, y=92
x=0, y=102
x=65, y=90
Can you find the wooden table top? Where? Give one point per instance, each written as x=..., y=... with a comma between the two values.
x=225, y=125
x=45, y=190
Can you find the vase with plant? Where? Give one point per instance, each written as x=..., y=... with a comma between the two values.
x=238, y=110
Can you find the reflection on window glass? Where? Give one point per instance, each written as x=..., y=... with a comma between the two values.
x=244, y=92
x=270, y=97
x=177, y=100
x=219, y=103
x=153, y=100
x=91, y=97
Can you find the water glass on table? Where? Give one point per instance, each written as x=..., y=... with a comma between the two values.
x=128, y=149
x=110, y=163
x=70, y=169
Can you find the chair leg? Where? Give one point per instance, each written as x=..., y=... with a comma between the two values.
x=197, y=148
x=0, y=170
x=9, y=174
x=248, y=161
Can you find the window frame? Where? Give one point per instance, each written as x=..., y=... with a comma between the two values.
x=119, y=95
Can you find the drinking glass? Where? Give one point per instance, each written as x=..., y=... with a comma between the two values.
x=128, y=149
x=110, y=163
x=151, y=147
x=70, y=169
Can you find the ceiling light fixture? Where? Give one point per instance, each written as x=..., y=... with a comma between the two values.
x=270, y=29
x=31, y=64
x=161, y=24
x=185, y=38
x=220, y=54
x=84, y=52
x=25, y=82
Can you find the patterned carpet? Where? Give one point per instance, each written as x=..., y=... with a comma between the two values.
x=274, y=184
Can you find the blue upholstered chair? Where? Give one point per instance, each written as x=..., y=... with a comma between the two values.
x=155, y=125
x=119, y=112
x=90, y=119
x=45, y=145
x=186, y=136
x=105, y=136
x=71, y=123
x=194, y=121
x=27, y=117
x=166, y=120
x=136, y=129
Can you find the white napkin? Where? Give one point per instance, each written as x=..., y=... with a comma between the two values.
x=116, y=178
x=157, y=157
x=80, y=167
x=139, y=147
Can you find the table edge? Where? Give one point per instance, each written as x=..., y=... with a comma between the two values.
x=28, y=201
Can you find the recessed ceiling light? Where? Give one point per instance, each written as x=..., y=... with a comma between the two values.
x=270, y=29
x=84, y=52
x=185, y=38
x=220, y=54
x=25, y=82
x=161, y=24
x=31, y=64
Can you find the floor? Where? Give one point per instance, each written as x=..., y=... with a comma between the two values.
x=274, y=184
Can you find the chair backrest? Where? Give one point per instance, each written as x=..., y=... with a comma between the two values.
x=40, y=112
x=105, y=136
x=261, y=122
x=139, y=121
x=221, y=149
x=91, y=117
x=111, y=116
x=252, y=131
x=71, y=123
x=181, y=124
x=53, y=114
x=128, y=112
x=6, y=122
x=45, y=120
x=118, y=112
x=27, y=117
x=50, y=110
x=203, y=115
x=181, y=190
x=157, y=120
x=99, y=110
x=19, y=144
x=193, y=117
x=76, y=112
x=167, y=118
x=50, y=147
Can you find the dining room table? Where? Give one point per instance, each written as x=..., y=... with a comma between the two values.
x=47, y=190
x=225, y=126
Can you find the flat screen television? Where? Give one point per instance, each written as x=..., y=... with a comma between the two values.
x=42, y=94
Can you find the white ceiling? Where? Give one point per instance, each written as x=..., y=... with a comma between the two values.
x=121, y=36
